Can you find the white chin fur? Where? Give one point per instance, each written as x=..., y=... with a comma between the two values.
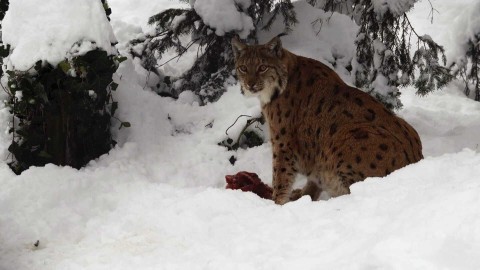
x=265, y=95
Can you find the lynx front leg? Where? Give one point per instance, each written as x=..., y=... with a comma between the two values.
x=283, y=177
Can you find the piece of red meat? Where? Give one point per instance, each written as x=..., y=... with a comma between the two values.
x=247, y=181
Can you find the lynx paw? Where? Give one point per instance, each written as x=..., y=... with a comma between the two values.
x=281, y=199
x=296, y=194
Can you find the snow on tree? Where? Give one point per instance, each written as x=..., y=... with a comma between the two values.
x=224, y=16
x=210, y=25
x=384, y=59
x=48, y=32
x=60, y=71
x=4, y=49
x=466, y=62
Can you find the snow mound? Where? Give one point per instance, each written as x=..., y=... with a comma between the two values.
x=424, y=216
x=158, y=199
x=52, y=31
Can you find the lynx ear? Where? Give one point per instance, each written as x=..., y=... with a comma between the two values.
x=275, y=46
x=237, y=47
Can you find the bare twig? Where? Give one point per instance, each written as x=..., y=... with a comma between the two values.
x=432, y=11
x=5, y=90
x=243, y=115
x=190, y=44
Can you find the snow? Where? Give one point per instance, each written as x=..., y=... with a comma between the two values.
x=157, y=201
x=396, y=7
x=223, y=16
x=467, y=28
x=129, y=15
x=324, y=36
x=459, y=16
x=81, y=21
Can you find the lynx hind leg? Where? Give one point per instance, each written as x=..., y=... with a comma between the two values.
x=373, y=154
x=311, y=189
x=333, y=184
x=296, y=194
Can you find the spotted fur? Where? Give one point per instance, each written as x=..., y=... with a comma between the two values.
x=334, y=134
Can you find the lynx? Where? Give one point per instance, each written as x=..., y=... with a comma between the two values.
x=332, y=133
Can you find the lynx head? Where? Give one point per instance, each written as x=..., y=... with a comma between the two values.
x=260, y=69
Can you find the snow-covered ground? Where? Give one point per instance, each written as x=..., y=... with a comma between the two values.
x=157, y=201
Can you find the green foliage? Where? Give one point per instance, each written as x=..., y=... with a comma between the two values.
x=284, y=8
x=4, y=49
x=249, y=137
x=384, y=58
x=432, y=75
x=108, y=10
x=4, y=52
x=62, y=114
x=3, y=8
x=214, y=64
x=396, y=64
x=468, y=67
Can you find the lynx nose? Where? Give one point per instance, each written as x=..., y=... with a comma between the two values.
x=252, y=86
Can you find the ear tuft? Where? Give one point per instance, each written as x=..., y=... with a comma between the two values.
x=237, y=47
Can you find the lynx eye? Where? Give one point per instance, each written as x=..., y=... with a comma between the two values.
x=242, y=69
x=262, y=68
